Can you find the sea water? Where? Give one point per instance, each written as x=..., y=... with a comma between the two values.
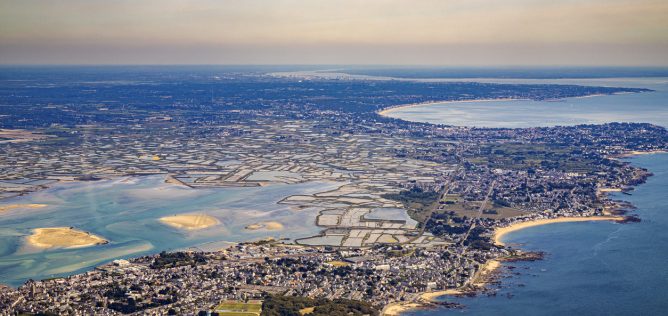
x=590, y=268
x=646, y=107
x=126, y=212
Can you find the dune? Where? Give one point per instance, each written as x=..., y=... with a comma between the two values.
x=63, y=237
x=190, y=221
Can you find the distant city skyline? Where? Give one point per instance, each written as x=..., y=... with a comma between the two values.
x=391, y=32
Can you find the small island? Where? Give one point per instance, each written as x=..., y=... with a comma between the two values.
x=265, y=226
x=63, y=237
x=190, y=221
x=9, y=207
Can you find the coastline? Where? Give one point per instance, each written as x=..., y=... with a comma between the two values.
x=636, y=153
x=391, y=109
x=481, y=278
x=388, y=110
x=502, y=231
x=491, y=265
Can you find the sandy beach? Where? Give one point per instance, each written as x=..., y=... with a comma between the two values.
x=635, y=153
x=266, y=226
x=5, y=208
x=63, y=237
x=190, y=221
x=395, y=309
x=389, y=110
x=502, y=231
x=430, y=296
x=609, y=190
x=479, y=280
x=483, y=275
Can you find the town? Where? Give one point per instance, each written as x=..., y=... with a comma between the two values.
x=447, y=187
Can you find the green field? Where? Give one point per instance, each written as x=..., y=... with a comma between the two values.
x=236, y=308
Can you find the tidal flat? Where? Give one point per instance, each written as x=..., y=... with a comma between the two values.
x=126, y=212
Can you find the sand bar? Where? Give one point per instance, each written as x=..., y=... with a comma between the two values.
x=502, y=231
x=190, y=221
x=266, y=226
x=63, y=237
x=4, y=208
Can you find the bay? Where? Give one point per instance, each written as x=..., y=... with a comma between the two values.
x=591, y=268
x=646, y=107
x=126, y=212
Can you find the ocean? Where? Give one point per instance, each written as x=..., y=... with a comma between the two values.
x=590, y=268
x=648, y=107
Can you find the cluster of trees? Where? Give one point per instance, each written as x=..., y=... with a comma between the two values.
x=275, y=305
x=176, y=259
x=416, y=200
x=414, y=195
x=439, y=228
x=475, y=240
x=126, y=305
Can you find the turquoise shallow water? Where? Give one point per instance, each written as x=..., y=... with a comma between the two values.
x=591, y=268
x=126, y=212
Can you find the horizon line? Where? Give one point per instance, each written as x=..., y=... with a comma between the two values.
x=334, y=65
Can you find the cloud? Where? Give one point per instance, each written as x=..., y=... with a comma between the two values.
x=171, y=31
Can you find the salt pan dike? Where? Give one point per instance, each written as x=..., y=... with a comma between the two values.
x=99, y=221
x=646, y=107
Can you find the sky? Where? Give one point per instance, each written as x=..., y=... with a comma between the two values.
x=391, y=32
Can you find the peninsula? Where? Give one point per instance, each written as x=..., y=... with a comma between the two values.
x=420, y=208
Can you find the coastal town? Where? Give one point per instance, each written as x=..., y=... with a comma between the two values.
x=419, y=208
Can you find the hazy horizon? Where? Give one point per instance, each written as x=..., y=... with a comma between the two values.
x=317, y=32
